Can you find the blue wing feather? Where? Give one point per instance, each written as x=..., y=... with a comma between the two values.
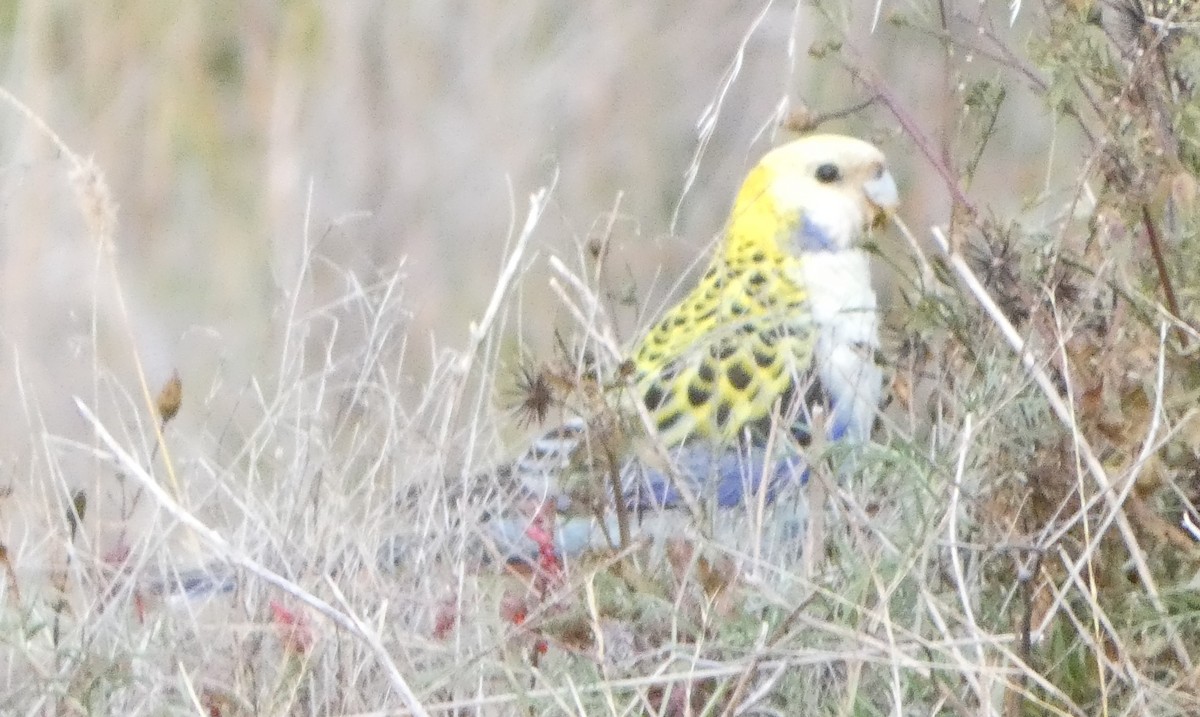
x=730, y=476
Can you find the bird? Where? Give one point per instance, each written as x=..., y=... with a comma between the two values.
x=779, y=336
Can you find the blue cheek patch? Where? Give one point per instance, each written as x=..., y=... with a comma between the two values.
x=812, y=237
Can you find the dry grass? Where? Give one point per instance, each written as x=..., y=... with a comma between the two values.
x=269, y=275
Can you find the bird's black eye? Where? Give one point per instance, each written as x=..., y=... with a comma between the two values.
x=828, y=173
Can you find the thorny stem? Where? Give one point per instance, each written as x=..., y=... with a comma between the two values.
x=618, y=493
x=1163, y=277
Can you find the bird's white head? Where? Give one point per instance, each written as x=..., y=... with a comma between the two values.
x=838, y=187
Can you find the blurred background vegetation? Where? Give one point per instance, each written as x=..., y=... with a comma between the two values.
x=286, y=174
x=242, y=141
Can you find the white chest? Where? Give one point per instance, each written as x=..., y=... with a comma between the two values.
x=840, y=296
x=844, y=310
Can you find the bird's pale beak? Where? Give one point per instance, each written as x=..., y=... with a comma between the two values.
x=881, y=192
x=882, y=196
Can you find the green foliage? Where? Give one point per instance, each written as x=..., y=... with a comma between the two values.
x=967, y=562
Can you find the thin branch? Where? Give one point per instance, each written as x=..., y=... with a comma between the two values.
x=960, y=577
x=913, y=129
x=537, y=204
x=1160, y=264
